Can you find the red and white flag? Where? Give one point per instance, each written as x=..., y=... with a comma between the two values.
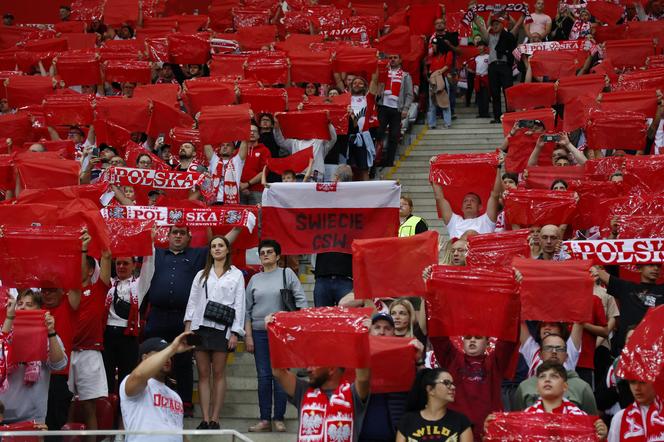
x=618, y=251
x=327, y=217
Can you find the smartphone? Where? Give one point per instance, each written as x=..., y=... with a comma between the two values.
x=529, y=124
x=551, y=138
x=95, y=151
x=194, y=339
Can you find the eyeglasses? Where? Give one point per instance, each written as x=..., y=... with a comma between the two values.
x=445, y=382
x=554, y=348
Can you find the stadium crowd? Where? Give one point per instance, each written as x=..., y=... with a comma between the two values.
x=146, y=145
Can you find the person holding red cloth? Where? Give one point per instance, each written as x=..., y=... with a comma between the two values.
x=251, y=189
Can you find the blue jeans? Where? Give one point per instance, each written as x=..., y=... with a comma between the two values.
x=266, y=382
x=433, y=109
x=328, y=290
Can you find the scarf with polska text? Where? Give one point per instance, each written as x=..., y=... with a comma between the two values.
x=324, y=419
x=470, y=15
x=631, y=425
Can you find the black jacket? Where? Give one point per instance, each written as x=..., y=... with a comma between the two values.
x=506, y=44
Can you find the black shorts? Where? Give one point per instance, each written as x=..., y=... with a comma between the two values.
x=213, y=340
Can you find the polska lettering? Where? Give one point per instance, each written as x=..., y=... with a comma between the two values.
x=190, y=216
x=127, y=176
x=618, y=251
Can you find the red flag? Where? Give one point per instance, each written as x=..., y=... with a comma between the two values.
x=165, y=93
x=320, y=337
x=42, y=172
x=652, y=78
x=644, y=175
x=133, y=114
x=80, y=40
x=30, y=340
x=641, y=358
x=541, y=426
x=270, y=100
x=601, y=169
x=530, y=96
x=605, y=12
x=246, y=18
x=207, y=93
x=397, y=41
x=542, y=177
x=130, y=237
x=297, y=162
x=15, y=126
x=231, y=65
x=572, y=299
x=557, y=64
x=355, y=60
x=629, y=53
x=92, y=192
x=79, y=69
x=220, y=124
x=546, y=116
x=27, y=90
x=309, y=66
x=256, y=37
x=295, y=42
x=497, y=249
x=644, y=102
x=304, y=125
x=121, y=71
x=119, y=12
x=590, y=194
x=338, y=112
x=521, y=146
x=538, y=207
x=460, y=174
x=189, y=48
x=328, y=217
x=472, y=301
x=164, y=117
x=571, y=87
x=410, y=256
x=40, y=256
x=577, y=111
x=267, y=70
x=68, y=109
x=616, y=130
x=111, y=134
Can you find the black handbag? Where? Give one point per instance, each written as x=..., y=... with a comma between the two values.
x=121, y=307
x=287, y=296
x=218, y=312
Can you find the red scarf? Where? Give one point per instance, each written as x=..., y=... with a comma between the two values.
x=395, y=79
x=631, y=426
x=327, y=420
x=133, y=322
x=226, y=175
x=32, y=369
x=566, y=407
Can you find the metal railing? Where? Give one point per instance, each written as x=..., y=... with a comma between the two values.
x=194, y=435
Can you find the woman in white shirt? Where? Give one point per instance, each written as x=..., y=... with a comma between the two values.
x=218, y=287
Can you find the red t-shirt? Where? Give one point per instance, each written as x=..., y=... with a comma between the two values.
x=588, y=340
x=256, y=159
x=440, y=61
x=65, y=318
x=92, y=315
x=477, y=379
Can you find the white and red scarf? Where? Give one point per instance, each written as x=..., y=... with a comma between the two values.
x=469, y=16
x=395, y=79
x=133, y=321
x=226, y=175
x=566, y=407
x=580, y=29
x=327, y=420
x=632, y=424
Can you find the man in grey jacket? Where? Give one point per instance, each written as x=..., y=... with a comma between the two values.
x=396, y=96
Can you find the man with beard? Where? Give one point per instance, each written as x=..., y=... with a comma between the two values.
x=362, y=150
x=145, y=400
x=187, y=158
x=251, y=189
x=329, y=409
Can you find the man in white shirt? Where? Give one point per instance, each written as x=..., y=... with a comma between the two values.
x=471, y=207
x=147, y=404
x=321, y=148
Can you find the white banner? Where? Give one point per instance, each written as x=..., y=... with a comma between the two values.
x=618, y=251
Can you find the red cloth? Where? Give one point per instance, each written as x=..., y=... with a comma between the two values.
x=257, y=158
x=132, y=151
x=27, y=90
x=521, y=145
x=164, y=117
x=43, y=256
x=117, y=12
x=629, y=53
x=355, y=60
x=189, y=48
x=132, y=114
x=304, y=125
x=497, y=249
x=421, y=18
x=590, y=194
x=30, y=341
x=121, y=71
x=231, y=65
x=219, y=124
x=652, y=78
x=484, y=302
x=541, y=426
x=68, y=110
x=573, y=297
x=91, y=192
x=130, y=237
x=477, y=378
x=644, y=29
x=556, y=64
x=397, y=41
x=80, y=40
x=406, y=257
x=79, y=69
x=571, y=87
x=267, y=70
x=577, y=111
x=460, y=174
x=644, y=175
x=530, y=96
x=297, y=162
x=206, y=93
x=311, y=66
x=440, y=61
x=616, y=130
x=538, y=207
x=606, y=12
x=111, y=133
x=38, y=171
x=644, y=102
x=547, y=116
x=15, y=126
x=165, y=93
x=601, y=169
x=92, y=315
x=588, y=340
x=256, y=37
x=541, y=177
x=641, y=226
x=270, y=100
x=338, y=111
x=320, y=337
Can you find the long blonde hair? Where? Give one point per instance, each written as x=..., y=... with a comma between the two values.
x=411, y=312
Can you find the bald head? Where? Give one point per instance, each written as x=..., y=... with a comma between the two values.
x=37, y=147
x=549, y=239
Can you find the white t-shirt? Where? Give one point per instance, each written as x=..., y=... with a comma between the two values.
x=614, y=431
x=482, y=64
x=531, y=353
x=156, y=408
x=458, y=226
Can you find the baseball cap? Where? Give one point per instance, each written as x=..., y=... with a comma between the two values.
x=382, y=317
x=150, y=345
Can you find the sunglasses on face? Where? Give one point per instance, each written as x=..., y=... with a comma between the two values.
x=446, y=382
x=554, y=348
